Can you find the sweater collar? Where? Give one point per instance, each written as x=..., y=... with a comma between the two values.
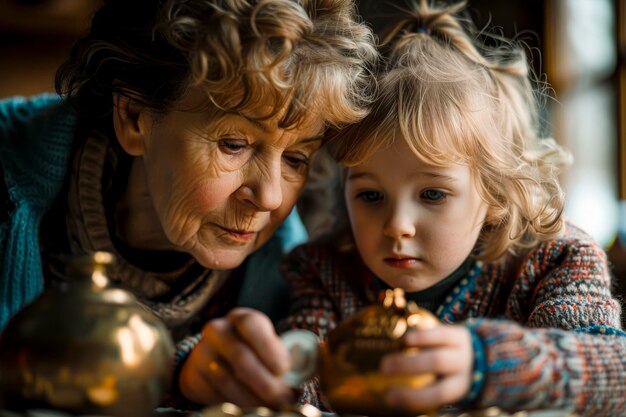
x=434, y=296
x=176, y=289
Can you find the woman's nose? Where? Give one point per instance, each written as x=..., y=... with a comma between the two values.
x=262, y=188
x=400, y=224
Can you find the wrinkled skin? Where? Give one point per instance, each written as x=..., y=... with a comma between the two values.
x=216, y=186
x=240, y=359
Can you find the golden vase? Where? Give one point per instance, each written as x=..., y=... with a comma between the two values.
x=350, y=359
x=84, y=347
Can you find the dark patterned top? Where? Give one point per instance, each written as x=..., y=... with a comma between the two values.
x=546, y=328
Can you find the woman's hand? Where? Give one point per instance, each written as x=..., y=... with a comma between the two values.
x=239, y=359
x=445, y=351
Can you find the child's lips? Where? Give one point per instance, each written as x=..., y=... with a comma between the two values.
x=403, y=262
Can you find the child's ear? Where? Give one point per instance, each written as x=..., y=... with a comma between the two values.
x=130, y=120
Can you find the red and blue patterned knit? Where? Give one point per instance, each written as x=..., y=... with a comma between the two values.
x=545, y=326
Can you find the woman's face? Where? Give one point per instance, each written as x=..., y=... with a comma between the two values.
x=222, y=184
x=413, y=224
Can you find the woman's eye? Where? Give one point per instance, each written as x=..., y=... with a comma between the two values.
x=297, y=161
x=370, y=196
x=434, y=196
x=232, y=146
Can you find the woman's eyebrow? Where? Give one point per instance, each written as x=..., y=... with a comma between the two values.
x=262, y=126
x=311, y=139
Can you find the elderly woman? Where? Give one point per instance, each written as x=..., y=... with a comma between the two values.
x=181, y=145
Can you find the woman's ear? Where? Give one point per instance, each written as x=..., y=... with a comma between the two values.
x=130, y=123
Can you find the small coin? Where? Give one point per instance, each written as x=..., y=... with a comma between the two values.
x=303, y=348
x=308, y=410
x=258, y=412
x=222, y=410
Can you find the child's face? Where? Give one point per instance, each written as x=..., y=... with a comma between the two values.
x=414, y=224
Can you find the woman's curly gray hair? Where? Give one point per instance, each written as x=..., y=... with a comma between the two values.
x=290, y=56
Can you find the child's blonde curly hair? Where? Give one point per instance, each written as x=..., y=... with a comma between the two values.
x=454, y=100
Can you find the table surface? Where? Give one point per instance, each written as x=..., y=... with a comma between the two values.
x=221, y=411
x=234, y=411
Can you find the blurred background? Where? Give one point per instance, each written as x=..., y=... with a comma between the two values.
x=579, y=46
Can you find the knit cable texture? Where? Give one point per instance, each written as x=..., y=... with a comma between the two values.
x=549, y=333
x=36, y=137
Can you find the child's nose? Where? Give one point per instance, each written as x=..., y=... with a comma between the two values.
x=399, y=225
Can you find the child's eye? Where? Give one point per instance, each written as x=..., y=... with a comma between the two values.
x=370, y=196
x=232, y=146
x=434, y=196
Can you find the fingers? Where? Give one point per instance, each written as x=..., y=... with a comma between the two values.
x=220, y=380
x=246, y=341
x=239, y=359
x=192, y=382
x=445, y=351
x=444, y=391
x=442, y=350
x=258, y=332
x=438, y=336
x=213, y=385
x=247, y=369
x=444, y=361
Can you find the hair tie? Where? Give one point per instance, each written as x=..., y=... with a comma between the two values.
x=423, y=29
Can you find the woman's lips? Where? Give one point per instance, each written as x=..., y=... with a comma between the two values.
x=401, y=262
x=240, y=235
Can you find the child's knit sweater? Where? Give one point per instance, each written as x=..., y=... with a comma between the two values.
x=546, y=328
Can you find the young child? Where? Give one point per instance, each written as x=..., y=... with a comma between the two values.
x=453, y=196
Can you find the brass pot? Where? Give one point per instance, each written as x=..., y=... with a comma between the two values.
x=85, y=348
x=350, y=359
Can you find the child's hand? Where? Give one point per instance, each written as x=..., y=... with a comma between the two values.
x=239, y=359
x=445, y=351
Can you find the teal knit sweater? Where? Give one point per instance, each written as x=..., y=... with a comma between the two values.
x=35, y=142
